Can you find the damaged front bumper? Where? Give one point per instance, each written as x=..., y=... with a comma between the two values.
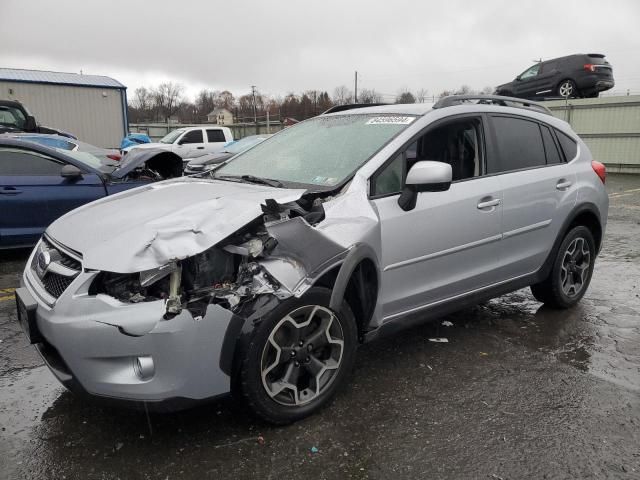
x=106, y=348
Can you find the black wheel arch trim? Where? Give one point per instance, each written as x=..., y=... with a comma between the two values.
x=578, y=210
x=358, y=253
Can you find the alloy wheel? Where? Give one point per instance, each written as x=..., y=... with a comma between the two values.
x=566, y=89
x=575, y=267
x=302, y=355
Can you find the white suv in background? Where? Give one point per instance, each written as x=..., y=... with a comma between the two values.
x=189, y=142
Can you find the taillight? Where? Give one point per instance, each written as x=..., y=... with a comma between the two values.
x=114, y=156
x=590, y=67
x=600, y=170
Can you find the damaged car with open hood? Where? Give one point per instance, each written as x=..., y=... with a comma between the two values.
x=262, y=277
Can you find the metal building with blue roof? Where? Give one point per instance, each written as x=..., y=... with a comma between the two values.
x=91, y=107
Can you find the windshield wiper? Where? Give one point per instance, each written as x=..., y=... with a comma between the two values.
x=253, y=179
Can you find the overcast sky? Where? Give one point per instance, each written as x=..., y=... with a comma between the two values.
x=296, y=45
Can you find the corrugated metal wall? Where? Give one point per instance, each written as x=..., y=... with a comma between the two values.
x=94, y=115
x=610, y=126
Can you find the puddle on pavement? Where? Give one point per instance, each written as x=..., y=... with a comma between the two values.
x=600, y=336
x=26, y=397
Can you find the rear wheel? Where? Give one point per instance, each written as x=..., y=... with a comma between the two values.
x=568, y=89
x=571, y=272
x=297, y=357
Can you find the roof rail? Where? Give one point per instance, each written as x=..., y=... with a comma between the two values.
x=351, y=106
x=491, y=100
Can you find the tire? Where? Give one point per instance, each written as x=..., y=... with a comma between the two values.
x=568, y=89
x=265, y=365
x=573, y=265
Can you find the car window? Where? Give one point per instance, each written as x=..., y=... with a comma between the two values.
x=519, y=144
x=12, y=116
x=21, y=162
x=322, y=151
x=547, y=67
x=193, y=136
x=458, y=143
x=49, y=141
x=390, y=178
x=215, y=135
x=569, y=146
x=172, y=136
x=550, y=148
x=531, y=72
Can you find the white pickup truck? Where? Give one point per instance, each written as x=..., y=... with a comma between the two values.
x=189, y=142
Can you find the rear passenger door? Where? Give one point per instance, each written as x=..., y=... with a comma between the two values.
x=215, y=140
x=538, y=187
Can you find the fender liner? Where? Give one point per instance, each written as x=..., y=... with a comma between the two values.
x=358, y=253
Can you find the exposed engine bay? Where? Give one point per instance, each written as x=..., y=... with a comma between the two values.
x=227, y=274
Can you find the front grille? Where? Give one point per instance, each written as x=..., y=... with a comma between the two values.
x=57, y=272
x=55, y=284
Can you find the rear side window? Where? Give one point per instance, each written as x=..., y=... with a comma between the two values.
x=20, y=162
x=194, y=136
x=568, y=144
x=519, y=145
x=550, y=148
x=215, y=136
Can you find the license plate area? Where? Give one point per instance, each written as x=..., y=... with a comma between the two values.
x=26, y=307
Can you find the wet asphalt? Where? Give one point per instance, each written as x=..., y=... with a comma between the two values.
x=519, y=391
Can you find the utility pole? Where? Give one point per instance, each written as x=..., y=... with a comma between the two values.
x=356, y=89
x=255, y=112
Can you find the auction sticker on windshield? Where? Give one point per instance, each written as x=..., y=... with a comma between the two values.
x=390, y=120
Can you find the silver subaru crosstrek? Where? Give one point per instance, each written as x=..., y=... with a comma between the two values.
x=262, y=277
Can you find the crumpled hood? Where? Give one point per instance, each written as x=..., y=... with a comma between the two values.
x=147, y=227
x=137, y=157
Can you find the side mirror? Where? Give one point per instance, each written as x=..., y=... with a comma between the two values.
x=424, y=176
x=71, y=172
x=30, y=124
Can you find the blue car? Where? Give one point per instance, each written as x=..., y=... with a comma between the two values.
x=38, y=184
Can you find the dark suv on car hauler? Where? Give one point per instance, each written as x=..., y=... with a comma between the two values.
x=572, y=76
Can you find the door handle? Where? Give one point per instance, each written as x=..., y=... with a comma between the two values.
x=9, y=191
x=563, y=184
x=489, y=203
x=200, y=148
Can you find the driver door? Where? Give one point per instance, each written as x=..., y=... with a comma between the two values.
x=33, y=194
x=448, y=245
x=191, y=144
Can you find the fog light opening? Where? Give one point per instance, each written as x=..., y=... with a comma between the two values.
x=144, y=367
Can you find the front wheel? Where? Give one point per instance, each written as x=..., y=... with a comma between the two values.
x=297, y=357
x=571, y=272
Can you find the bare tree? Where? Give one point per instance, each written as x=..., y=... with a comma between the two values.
x=421, y=95
x=464, y=90
x=342, y=95
x=142, y=99
x=487, y=90
x=369, y=96
x=170, y=96
x=205, y=102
